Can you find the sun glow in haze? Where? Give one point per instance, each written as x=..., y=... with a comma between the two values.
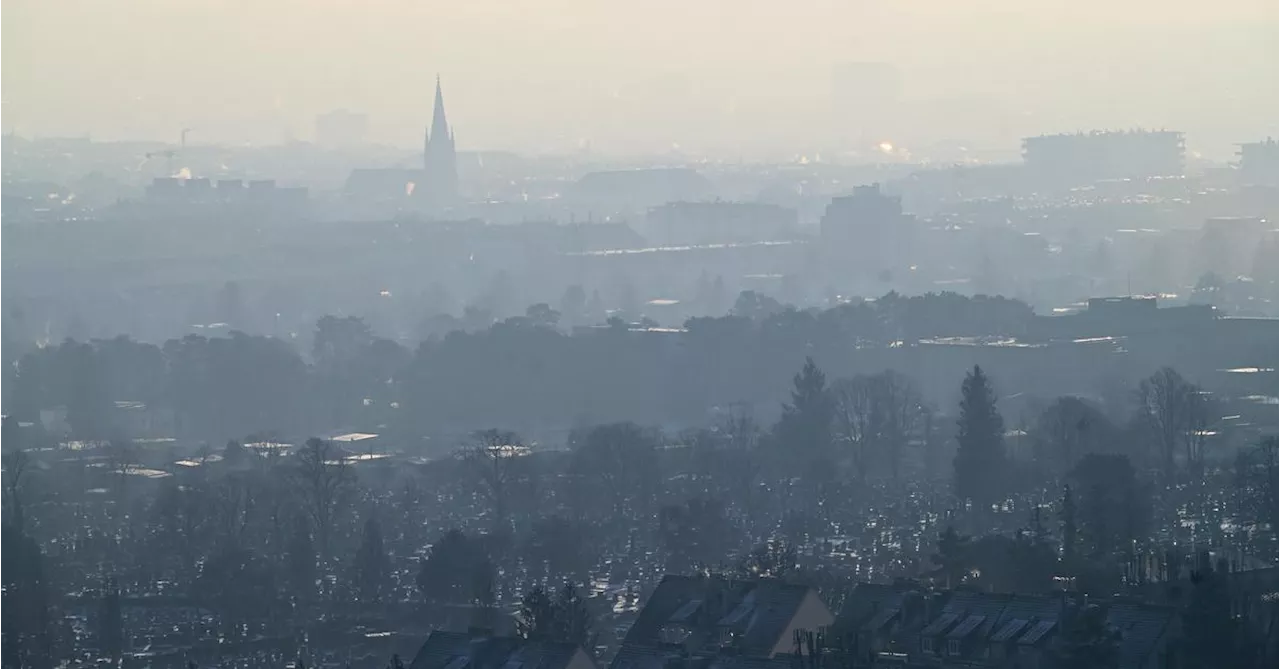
x=262, y=71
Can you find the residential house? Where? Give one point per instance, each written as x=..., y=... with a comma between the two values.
x=1145, y=633
x=708, y=616
x=898, y=625
x=480, y=650
x=878, y=618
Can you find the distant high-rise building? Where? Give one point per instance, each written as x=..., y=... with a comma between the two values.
x=1260, y=162
x=866, y=233
x=1084, y=158
x=866, y=209
x=341, y=129
x=440, y=159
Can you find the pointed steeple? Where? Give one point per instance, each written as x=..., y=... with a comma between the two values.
x=439, y=124
x=439, y=156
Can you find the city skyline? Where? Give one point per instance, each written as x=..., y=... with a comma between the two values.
x=725, y=334
x=589, y=76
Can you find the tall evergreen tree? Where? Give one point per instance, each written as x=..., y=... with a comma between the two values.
x=809, y=413
x=980, y=458
x=803, y=439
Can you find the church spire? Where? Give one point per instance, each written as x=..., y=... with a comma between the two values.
x=439, y=156
x=439, y=124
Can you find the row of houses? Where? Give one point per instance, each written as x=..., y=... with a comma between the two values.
x=991, y=630
x=709, y=622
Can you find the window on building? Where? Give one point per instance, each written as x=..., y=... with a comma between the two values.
x=673, y=634
x=953, y=646
x=926, y=645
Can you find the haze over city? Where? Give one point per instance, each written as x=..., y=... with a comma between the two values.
x=726, y=79
x=589, y=334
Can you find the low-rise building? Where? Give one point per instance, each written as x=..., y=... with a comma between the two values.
x=481, y=650
x=707, y=616
x=883, y=625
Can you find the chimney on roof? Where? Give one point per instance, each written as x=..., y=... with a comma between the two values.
x=912, y=604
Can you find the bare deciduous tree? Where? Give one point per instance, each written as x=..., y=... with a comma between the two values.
x=1256, y=478
x=901, y=413
x=492, y=460
x=741, y=463
x=15, y=470
x=234, y=505
x=179, y=517
x=323, y=479
x=1177, y=412
x=854, y=420
x=739, y=428
x=877, y=417
x=1069, y=429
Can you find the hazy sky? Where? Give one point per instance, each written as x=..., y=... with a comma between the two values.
x=717, y=75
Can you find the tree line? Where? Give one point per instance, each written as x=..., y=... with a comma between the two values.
x=525, y=371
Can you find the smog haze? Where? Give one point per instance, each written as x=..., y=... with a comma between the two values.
x=711, y=77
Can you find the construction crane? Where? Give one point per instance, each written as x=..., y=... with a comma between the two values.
x=170, y=154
